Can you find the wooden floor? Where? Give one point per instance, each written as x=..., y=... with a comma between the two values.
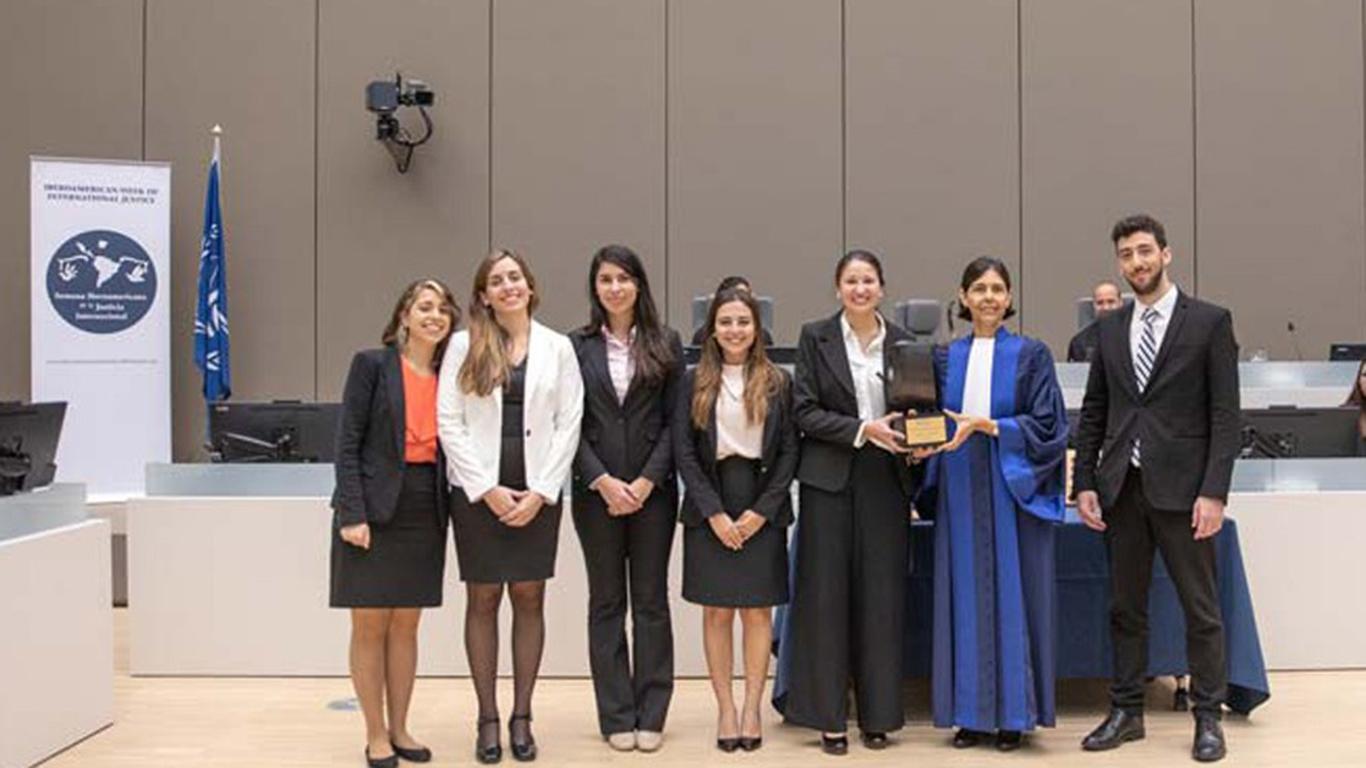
x=1313, y=719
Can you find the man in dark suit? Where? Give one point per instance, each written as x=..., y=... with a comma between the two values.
x=1155, y=450
x=1106, y=299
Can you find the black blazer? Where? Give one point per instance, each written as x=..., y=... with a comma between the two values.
x=371, y=443
x=624, y=439
x=1188, y=418
x=826, y=407
x=1083, y=345
x=695, y=450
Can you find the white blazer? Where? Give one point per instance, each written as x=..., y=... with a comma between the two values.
x=471, y=427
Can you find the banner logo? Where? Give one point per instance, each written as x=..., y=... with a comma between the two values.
x=101, y=281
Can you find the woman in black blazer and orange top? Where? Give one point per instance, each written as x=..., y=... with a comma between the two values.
x=736, y=444
x=848, y=602
x=508, y=409
x=389, y=549
x=626, y=498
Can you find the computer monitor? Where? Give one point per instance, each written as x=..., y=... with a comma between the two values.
x=28, y=444
x=1288, y=432
x=277, y=432
x=1346, y=352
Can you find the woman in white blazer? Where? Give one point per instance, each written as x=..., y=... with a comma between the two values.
x=508, y=408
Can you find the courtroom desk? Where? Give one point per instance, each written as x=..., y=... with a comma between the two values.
x=1262, y=385
x=228, y=575
x=57, y=644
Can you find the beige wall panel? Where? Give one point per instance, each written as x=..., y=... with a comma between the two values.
x=1107, y=131
x=578, y=140
x=932, y=138
x=247, y=65
x=379, y=229
x=755, y=167
x=1280, y=209
x=71, y=77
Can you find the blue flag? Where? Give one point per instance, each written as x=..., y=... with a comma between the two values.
x=211, y=313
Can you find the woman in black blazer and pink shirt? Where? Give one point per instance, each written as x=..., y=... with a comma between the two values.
x=736, y=442
x=626, y=497
x=389, y=541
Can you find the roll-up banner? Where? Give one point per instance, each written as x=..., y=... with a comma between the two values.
x=101, y=295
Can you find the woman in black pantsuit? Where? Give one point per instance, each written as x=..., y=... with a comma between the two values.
x=848, y=602
x=508, y=411
x=389, y=540
x=736, y=444
x=625, y=498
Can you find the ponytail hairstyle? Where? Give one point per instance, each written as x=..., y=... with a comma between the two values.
x=486, y=365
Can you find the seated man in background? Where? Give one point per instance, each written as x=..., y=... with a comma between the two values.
x=1105, y=298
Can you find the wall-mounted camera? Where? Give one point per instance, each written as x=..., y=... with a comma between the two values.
x=385, y=98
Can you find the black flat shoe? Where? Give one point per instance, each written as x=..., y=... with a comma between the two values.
x=488, y=754
x=1120, y=726
x=874, y=739
x=1009, y=741
x=750, y=743
x=727, y=745
x=523, y=750
x=966, y=738
x=834, y=745
x=1209, y=739
x=380, y=762
x=417, y=755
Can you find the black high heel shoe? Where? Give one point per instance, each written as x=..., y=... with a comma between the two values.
x=488, y=754
x=522, y=751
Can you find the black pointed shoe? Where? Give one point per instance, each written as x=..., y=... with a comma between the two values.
x=523, y=750
x=487, y=754
x=415, y=755
x=835, y=745
x=966, y=738
x=874, y=739
x=1120, y=726
x=1009, y=741
x=1209, y=739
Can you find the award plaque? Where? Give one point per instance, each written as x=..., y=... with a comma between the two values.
x=910, y=384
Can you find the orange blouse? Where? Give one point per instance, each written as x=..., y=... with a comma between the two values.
x=419, y=416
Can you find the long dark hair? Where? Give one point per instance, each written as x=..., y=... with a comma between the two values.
x=762, y=378
x=486, y=364
x=392, y=332
x=651, y=351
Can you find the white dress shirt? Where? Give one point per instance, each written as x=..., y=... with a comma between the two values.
x=621, y=364
x=735, y=435
x=865, y=367
x=1164, y=307
x=977, y=386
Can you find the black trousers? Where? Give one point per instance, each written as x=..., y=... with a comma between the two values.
x=848, y=608
x=628, y=562
x=1134, y=530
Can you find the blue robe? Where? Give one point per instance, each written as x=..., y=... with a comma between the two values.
x=996, y=503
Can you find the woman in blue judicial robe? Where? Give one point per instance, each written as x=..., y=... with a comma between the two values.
x=996, y=490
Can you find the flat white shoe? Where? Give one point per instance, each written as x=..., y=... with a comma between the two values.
x=649, y=741
x=622, y=742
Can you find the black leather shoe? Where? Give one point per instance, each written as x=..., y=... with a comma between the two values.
x=751, y=743
x=523, y=750
x=834, y=745
x=727, y=745
x=380, y=762
x=1120, y=726
x=1209, y=739
x=966, y=738
x=874, y=739
x=488, y=754
x=418, y=755
x=1009, y=741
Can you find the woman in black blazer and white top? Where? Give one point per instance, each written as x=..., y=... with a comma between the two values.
x=736, y=443
x=389, y=545
x=848, y=601
x=626, y=496
x=508, y=412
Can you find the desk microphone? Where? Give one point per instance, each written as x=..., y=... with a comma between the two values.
x=1295, y=340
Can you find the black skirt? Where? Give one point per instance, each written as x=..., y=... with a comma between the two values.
x=755, y=576
x=488, y=551
x=406, y=561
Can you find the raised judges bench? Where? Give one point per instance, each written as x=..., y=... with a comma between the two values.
x=1262, y=385
x=57, y=640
